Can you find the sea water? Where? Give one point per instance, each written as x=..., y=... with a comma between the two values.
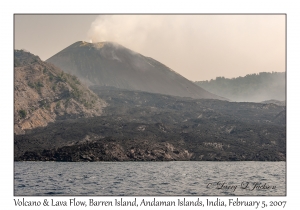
x=175, y=178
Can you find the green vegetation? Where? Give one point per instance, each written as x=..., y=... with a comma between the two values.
x=61, y=78
x=24, y=58
x=30, y=84
x=252, y=87
x=35, y=59
x=37, y=86
x=16, y=63
x=76, y=94
x=75, y=79
x=45, y=104
x=51, y=77
x=68, y=100
x=42, y=103
x=22, y=113
x=87, y=104
x=57, y=105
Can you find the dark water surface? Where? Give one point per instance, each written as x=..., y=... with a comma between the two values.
x=150, y=178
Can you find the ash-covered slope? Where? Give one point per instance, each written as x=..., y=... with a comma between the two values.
x=140, y=126
x=43, y=93
x=110, y=64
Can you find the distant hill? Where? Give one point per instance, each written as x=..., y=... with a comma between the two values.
x=110, y=64
x=43, y=93
x=278, y=103
x=253, y=87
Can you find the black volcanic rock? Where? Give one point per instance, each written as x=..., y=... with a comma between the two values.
x=140, y=126
x=110, y=64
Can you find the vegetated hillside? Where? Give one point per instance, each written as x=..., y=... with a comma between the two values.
x=43, y=93
x=110, y=64
x=253, y=87
x=141, y=126
x=279, y=103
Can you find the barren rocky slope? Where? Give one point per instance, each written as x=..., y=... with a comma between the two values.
x=110, y=64
x=43, y=93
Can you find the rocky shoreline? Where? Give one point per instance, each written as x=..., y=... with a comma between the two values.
x=111, y=150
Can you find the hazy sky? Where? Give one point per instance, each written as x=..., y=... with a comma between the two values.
x=199, y=47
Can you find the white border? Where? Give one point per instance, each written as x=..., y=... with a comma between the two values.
x=154, y=6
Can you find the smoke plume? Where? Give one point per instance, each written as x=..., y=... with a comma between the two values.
x=200, y=47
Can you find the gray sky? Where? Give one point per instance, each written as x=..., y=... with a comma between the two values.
x=199, y=47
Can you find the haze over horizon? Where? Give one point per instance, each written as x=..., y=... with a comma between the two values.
x=199, y=47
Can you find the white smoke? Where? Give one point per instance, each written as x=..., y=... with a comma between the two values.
x=200, y=47
x=135, y=31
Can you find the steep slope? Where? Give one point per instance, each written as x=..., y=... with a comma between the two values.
x=110, y=64
x=44, y=93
